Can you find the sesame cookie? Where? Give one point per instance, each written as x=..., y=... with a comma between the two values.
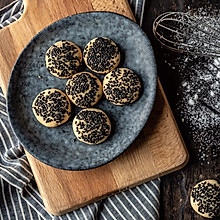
x=51, y=107
x=121, y=86
x=84, y=89
x=205, y=198
x=101, y=55
x=63, y=59
x=91, y=126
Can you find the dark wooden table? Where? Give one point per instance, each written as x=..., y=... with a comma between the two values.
x=175, y=187
x=3, y=3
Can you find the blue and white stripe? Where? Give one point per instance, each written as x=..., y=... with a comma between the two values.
x=19, y=195
x=11, y=13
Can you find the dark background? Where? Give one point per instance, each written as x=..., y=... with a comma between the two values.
x=175, y=187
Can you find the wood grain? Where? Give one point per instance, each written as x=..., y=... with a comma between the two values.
x=158, y=150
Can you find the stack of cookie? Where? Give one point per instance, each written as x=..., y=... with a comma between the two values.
x=121, y=86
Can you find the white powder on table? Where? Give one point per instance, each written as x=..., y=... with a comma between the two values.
x=199, y=103
x=199, y=89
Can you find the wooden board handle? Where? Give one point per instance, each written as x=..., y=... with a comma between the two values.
x=37, y=15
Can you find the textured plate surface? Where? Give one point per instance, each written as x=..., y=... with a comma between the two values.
x=58, y=147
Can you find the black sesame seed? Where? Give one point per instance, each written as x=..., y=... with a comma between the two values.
x=63, y=60
x=99, y=55
x=207, y=197
x=52, y=106
x=86, y=84
x=93, y=126
x=122, y=87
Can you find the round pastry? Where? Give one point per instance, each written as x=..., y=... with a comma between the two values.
x=51, y=107
x=84, y=89
x=205, y=198
x=121, y=86
x=91, y=126
x=63, y=59
x=101, y=55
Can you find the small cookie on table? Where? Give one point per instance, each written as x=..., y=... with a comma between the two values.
x=205, y=198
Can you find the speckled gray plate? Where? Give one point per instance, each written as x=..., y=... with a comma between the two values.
x=58, y=146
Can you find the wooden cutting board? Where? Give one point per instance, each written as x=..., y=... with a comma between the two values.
x=158, y=150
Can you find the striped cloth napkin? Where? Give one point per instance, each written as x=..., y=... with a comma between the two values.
x=19, y=196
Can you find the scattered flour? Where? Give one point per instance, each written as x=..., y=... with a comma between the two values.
x=199, y=104
x=199, y=88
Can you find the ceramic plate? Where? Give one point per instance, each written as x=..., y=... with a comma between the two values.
x=58, y=147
